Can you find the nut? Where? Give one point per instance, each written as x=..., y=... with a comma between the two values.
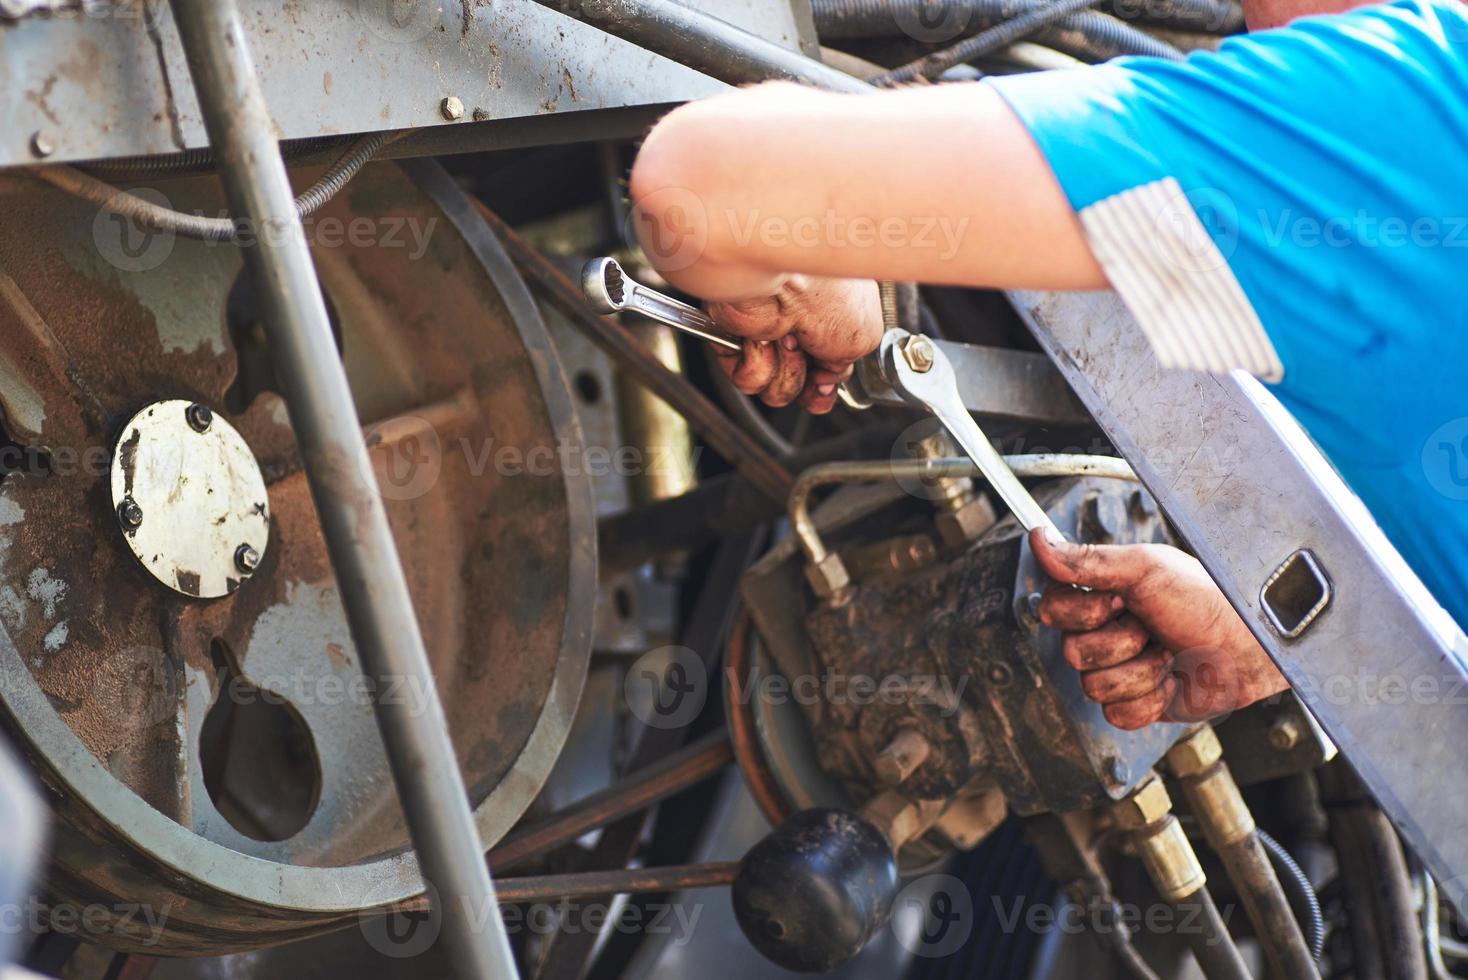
x=964, y=524
x=919, y=353
x=130, y=514
x=828, y=577
x=200, y=417
x=246, y=558
x=1195, y=753
x=1147, y=804
x=452, y=108
x=1284, y=734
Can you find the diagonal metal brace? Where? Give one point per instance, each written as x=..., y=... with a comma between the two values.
x=363, y=553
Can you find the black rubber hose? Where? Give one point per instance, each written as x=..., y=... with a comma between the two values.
x=1306, y=902
x=1087, y=35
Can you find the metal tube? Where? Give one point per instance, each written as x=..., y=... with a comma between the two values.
x=703, y=42
x=642, y=789
x=1029, y=467
x=373, y=588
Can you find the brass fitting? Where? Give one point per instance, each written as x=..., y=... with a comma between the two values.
x=1214, y=796
x=964, y=523
x=1170, y=860
x=1195, y=753
x=1159, y=839
x=1144, y=806
x=828, y=577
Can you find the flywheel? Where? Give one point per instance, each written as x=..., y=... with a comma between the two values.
x=174, y=655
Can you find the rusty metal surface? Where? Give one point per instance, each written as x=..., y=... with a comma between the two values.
x=110, y=677
x=113, y=82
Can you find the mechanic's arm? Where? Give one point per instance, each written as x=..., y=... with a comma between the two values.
x=758, y=198
x=942, y=185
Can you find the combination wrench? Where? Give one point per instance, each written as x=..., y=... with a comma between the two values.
x=915, y=367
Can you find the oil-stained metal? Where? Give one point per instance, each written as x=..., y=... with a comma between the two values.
x=115, y=84
x=198, y=484
x=109, y=677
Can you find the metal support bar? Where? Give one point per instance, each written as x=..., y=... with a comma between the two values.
x=353, y=520
x=1247, y=490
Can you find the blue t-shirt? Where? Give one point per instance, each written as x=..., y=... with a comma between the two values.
x=1296, y=205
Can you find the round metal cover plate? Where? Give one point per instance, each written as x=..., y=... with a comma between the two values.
x=191, y=504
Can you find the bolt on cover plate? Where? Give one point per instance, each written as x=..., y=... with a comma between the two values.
x=189, y=500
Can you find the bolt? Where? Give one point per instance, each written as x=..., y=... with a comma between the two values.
x=200, y=417
x=246, y=558
x=452, y=108
x=130, y=514
x=999, y=674
x=1118, y=773
x=1284, y=734
x=920, y=354
x=481, y=115
x=42, y=145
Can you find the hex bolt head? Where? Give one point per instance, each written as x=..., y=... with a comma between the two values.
x=130, y=514
x=452, y=108
x=246, y=559
x=42, y=145
x=919, y=353
x=1118, y=773
x=200, y=417
x=1284, y=734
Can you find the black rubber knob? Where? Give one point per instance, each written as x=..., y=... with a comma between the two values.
x=816, y=890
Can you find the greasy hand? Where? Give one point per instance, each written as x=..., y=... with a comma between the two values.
x=800, y=343
x=1155, y=639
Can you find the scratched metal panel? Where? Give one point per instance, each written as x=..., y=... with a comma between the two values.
x=112, y=81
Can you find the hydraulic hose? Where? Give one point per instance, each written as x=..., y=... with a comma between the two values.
x=1086, y=35
x=163, y=219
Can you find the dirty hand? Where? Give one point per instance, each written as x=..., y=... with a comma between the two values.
x=1155, y=640
x=800, y=343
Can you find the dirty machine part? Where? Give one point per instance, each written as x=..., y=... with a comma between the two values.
x=175, y=656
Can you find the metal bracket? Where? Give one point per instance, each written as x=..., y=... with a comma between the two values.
x=1375, y=658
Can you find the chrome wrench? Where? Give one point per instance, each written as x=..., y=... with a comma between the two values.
x=919, y=370
x=610, y=290
x=911, y=363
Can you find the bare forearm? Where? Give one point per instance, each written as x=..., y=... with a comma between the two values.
x=937, y=185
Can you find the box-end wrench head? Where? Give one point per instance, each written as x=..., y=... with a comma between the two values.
x=610, y=290
x=919, y=370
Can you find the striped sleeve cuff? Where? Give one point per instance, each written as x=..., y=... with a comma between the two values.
x=1177, y=283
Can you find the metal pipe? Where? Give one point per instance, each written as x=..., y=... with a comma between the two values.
x=590, y=884
x=703, y=42
x=1029, y=467
x=373, y=588
x=637, y=792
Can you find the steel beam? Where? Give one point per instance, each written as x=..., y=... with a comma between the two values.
x=363, y=553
